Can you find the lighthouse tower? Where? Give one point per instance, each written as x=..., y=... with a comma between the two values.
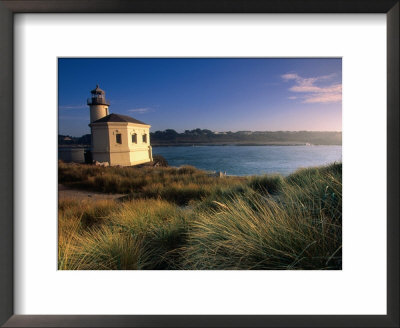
x=117, y=139
x=98, y=104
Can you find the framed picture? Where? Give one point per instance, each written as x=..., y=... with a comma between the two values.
x=241, y=86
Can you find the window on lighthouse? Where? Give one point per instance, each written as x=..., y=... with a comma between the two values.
x=134, y=138
x=118, y=138
x=145, y=138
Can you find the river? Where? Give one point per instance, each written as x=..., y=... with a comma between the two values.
x=250, y=160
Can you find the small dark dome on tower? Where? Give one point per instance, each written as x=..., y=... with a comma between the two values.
x=98, y=97
x=97, y=91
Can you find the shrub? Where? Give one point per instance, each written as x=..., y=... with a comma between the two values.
x=187, y=169
x=160, y=161
x=266, y=183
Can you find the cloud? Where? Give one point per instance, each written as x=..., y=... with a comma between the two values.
x=73, y=107
x=140, y=110
x=290, y=76
x=324, y=98
x=310, y=92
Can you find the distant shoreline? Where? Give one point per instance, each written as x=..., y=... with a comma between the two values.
x=239, y=144
x=199, y=137
x=212, y=144
x=216, y=144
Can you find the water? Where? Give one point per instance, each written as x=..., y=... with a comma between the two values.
x=250, y=160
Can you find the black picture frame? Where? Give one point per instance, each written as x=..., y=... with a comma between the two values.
x=10, y=7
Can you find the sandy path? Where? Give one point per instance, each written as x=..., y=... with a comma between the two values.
x=68, y=193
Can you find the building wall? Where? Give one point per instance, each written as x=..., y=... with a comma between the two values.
x=120, y=158
x=97, y=112
x=100, y=144
x=139, y=150
x=101, y=157
x=127, y=152
x=100, y=138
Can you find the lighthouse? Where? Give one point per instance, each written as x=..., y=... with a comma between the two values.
x=98, y=104
x=117, y=139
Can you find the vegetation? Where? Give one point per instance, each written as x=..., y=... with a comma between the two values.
x=184, y=218
x=179, y=186
x=160, y=161
x=204, y=137
x=85, y=140
x=199, y=136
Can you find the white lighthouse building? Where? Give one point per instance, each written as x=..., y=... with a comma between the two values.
x=117, y=139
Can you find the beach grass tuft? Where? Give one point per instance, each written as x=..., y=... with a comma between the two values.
x=185, y=218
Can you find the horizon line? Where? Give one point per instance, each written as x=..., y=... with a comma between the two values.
x=331, y=131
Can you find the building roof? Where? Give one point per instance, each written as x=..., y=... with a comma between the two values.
x=118, y=118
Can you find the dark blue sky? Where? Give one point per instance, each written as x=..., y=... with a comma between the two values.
x=216, y=94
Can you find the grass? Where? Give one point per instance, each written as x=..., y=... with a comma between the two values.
x=179, y=186
x=299, y=229
x=186, y=219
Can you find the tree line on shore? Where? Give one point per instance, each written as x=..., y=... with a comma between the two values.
x=205, y=136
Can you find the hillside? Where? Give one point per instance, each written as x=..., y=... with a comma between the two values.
x=170, y=137
x=198, y=136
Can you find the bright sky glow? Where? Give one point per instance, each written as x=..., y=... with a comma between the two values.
x=228, y=94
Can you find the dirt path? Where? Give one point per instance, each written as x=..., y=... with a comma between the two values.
x=68, y=193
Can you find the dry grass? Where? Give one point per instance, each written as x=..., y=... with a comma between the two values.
x=178, y=185
x=185, y=219
x=299, y=229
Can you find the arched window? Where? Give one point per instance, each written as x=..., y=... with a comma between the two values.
x=145, y=138
x=134, y=138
